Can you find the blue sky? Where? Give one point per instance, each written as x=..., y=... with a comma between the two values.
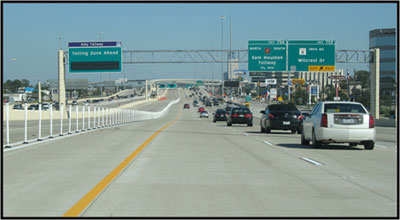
x=31, y=31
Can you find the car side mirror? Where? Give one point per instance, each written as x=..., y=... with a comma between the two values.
x=262, y=112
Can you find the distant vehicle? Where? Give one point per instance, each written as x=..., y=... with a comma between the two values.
x=186, y=105
x=33, y=107
x=208, y=104
x=45, y=106
x=216, y=103
x=18, y=106
x=339, y=122
x=219, y=115
x=228, y=108
x=74, y=102
x=240, y=116
x=195, y=103
x=201, y=109
x=281, y=117
x=203, y=114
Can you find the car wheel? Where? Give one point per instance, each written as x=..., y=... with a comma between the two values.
x=304, y=141
x=267, y=130
x=293, y=131
x=214, y=121
x=352, y=144
x=369, y=145
x=250, y=125
x=229, y=124
x=299, y=131
x=262, y=129
x=316, y=143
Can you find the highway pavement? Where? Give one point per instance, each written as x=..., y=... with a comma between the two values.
x=185, y=166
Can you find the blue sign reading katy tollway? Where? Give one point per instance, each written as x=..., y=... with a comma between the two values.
x=95, y=44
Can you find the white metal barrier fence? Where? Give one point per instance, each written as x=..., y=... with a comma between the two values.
x=103, y=116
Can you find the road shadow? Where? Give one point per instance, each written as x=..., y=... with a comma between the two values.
x=323, y=147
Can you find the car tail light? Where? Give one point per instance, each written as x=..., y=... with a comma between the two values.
x=235, y=115
x=371, y=121
x=324, y=121
x=271, y=116
x=300, y=117
x=248, y=115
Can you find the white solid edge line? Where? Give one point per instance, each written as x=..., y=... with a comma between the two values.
x=266, y=142
x=311, y=161
x=380, y=146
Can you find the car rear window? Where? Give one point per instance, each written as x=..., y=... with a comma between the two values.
x=283, y=107
x=342, y=107
x=240, y=110
x=220, y=111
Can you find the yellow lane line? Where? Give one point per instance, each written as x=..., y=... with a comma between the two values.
x=81, y=205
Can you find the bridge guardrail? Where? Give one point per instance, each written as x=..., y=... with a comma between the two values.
x=89, y=117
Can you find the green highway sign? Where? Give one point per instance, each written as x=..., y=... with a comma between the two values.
x=302, y=55
x=312, y=55
x=267, y=55
x=94, y=57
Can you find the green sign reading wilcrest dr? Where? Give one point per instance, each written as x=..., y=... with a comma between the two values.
x=94, y=57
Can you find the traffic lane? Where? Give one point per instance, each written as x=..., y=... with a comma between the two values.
x=171, y=95
x=373, y=170
x=199, y=168
x=47, y=179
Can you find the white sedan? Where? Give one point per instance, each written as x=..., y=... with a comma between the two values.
x=339, y=122
x=204, y=114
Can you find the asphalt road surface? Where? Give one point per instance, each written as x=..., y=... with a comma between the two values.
x=183, y=165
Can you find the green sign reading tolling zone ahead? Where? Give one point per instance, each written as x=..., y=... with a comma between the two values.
x=94, y=57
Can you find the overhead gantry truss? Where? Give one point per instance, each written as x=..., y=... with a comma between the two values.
x=221, y=56
x=183, y=56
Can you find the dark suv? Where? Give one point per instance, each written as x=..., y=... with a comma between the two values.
x=281, y=117
x=240, y=116
x=219, y=115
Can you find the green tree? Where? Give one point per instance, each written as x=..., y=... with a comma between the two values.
x=300, y=96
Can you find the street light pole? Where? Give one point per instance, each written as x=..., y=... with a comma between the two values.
x=222, y=53
x=101, y=75
x=230, y=42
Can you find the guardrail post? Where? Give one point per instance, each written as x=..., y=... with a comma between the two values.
x=8, y=125
x=51, y=121
x=88, y=117
x=61, y=118
x=107, y=112
x=77, y=119
x=94, y=118
x=83, y=117
x=26, y=124
x=103, y=116
x=70, y=118
x=40, y=123
x=99, y=117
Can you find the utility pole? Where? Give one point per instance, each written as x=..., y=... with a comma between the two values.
x=101, y=76
x=222, y=53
